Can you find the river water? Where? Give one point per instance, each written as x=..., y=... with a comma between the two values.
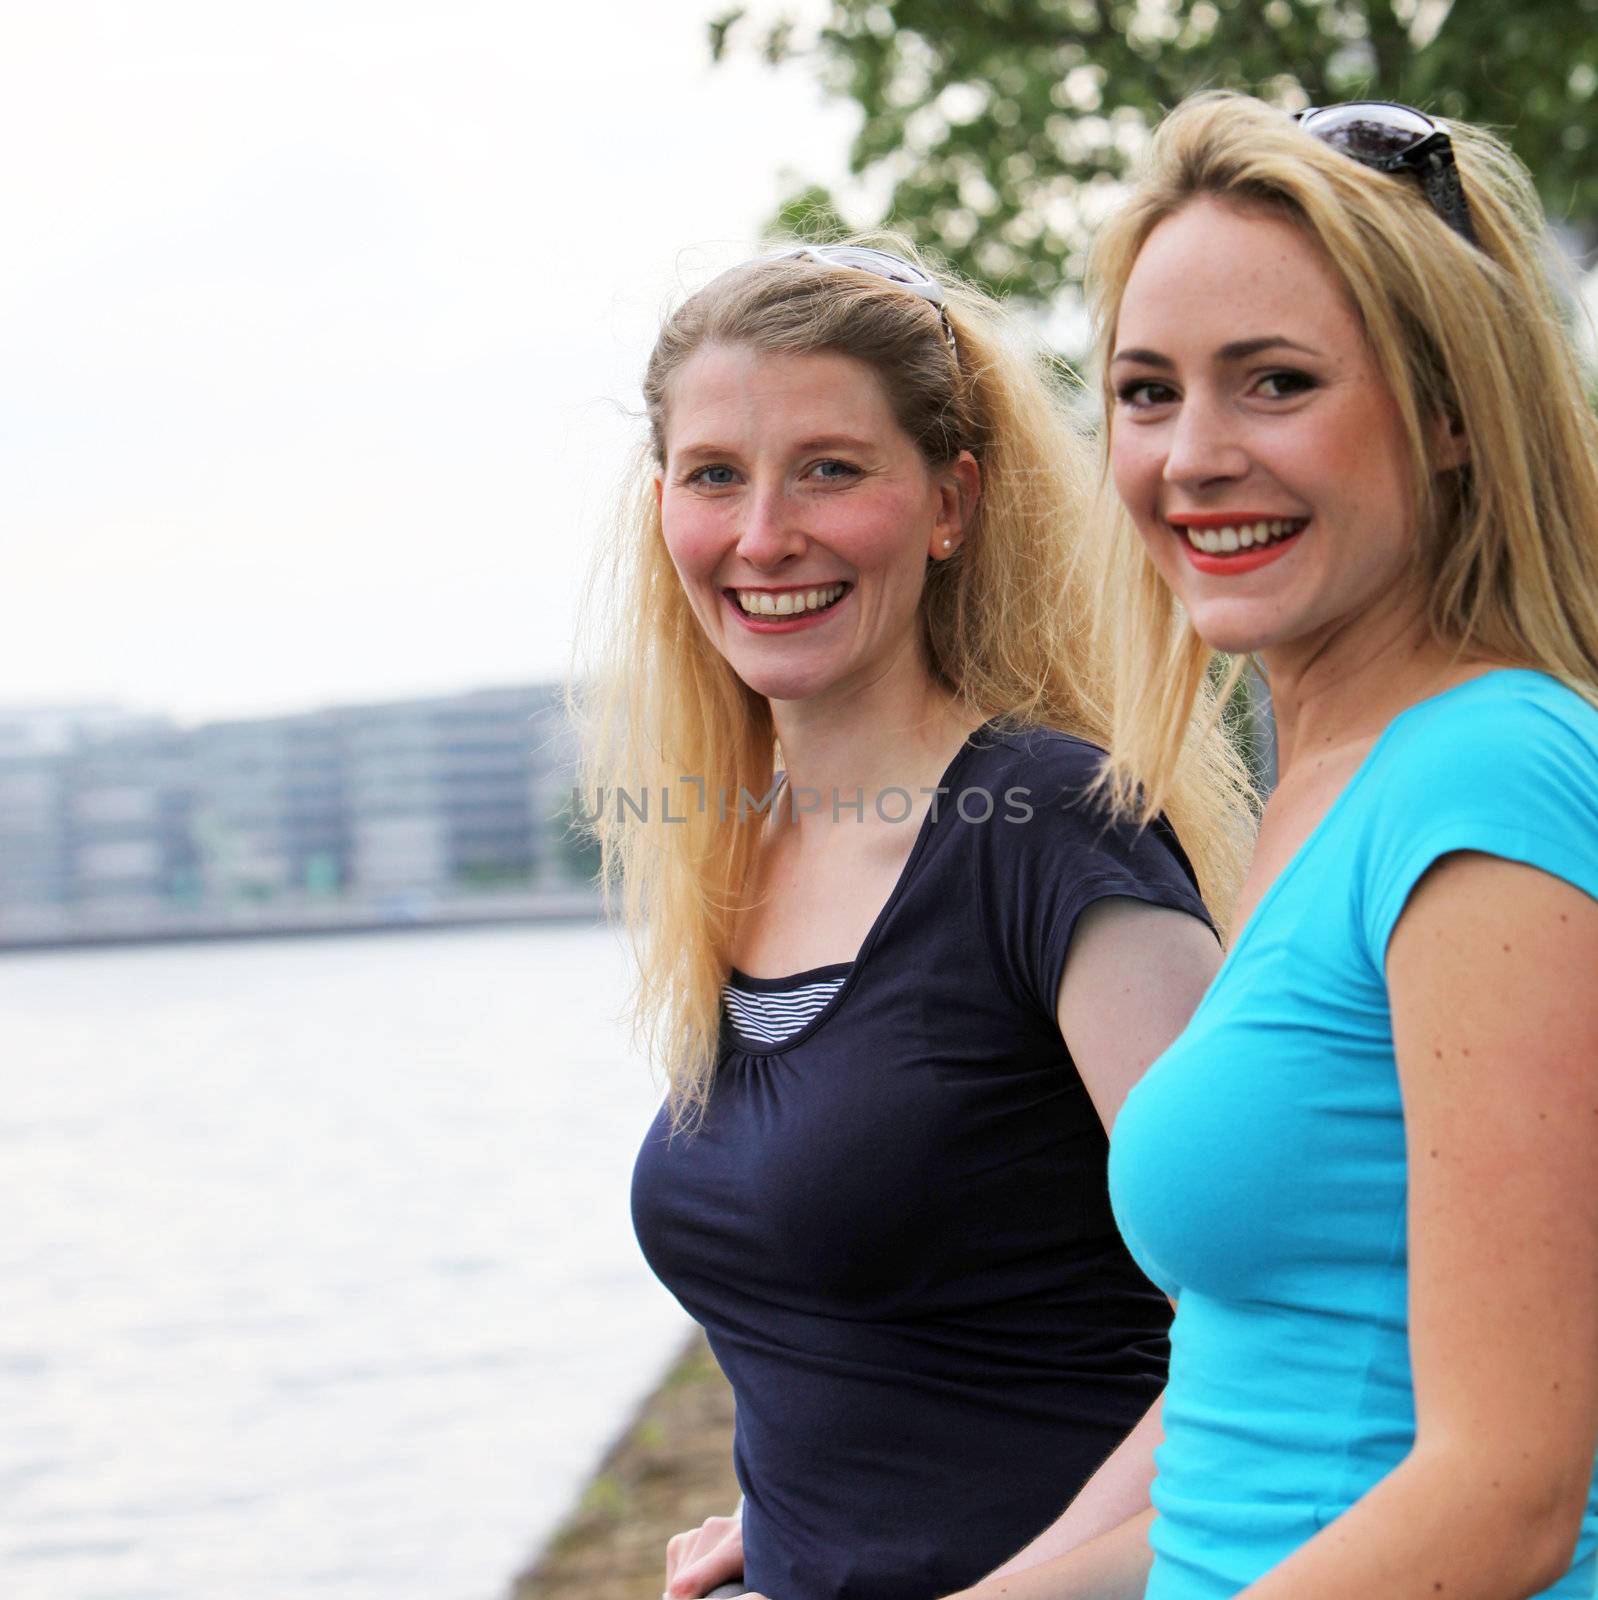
x=316, y=1279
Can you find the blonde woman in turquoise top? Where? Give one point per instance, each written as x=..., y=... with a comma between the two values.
x=1349, y=431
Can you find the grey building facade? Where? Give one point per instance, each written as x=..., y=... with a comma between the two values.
x=386, y=812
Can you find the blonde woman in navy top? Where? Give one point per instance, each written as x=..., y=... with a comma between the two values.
x=1349, y=430
x=899, y=1002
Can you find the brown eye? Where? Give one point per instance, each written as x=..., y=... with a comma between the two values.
x=1140, y=393
x=1284, y=385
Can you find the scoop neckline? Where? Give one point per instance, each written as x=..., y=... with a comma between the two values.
x=851, y=969
x=791, y=980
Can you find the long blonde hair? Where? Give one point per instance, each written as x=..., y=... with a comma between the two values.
x=1005, y=624
x=1508, y=550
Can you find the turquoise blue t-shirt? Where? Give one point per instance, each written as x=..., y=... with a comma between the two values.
x=1258, y=1170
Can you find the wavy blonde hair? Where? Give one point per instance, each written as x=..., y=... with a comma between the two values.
x=1508, y=552
x=1004, y=622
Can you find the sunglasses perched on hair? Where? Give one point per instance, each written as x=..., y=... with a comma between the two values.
x=1388, y=137
x=882, y=264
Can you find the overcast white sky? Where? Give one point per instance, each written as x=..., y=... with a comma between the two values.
x=317, y=319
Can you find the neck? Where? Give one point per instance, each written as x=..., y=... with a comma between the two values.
x=1343, y=687
x=899, y=732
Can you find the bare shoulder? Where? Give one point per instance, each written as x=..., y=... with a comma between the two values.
x=1134, y=975
x=1495, y=1014
x=1477, y=928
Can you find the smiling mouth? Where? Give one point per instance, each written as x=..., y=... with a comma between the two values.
x=787, y=602
x=1235, y=537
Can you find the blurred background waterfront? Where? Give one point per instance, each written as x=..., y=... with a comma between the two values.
x=321, y=327
x=453, y=809
x=318, y=1273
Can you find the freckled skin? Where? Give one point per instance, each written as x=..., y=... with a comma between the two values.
x=785, y=471
x=1310, y=432
x=1245, y=392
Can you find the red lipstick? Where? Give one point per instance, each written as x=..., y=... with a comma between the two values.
x=1237, y=562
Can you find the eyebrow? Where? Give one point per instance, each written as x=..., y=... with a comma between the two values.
x=834, y=441
x=1237, y=350
x=822, y=441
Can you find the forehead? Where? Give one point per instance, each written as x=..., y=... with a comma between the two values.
x=724, y=391
x=1214, y=273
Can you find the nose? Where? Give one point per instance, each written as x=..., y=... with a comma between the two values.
x=1204, y=445
x=770, y=532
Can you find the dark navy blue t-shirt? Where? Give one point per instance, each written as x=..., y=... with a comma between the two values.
x=894, y=1227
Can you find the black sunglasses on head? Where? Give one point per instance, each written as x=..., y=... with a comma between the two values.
x=1392, y=138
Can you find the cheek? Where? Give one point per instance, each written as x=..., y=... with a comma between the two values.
x=1364, y=448
x=1137, y=465
x=1360, y=472
x=693, y=538
x=1134, y=469
x=881, y=533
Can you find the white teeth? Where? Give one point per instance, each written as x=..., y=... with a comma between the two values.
x=791, y=602
x=1239, y=536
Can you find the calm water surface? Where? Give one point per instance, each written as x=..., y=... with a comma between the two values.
x=316, y=1270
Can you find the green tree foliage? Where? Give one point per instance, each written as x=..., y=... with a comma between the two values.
x=811, y=214
x=998, y=128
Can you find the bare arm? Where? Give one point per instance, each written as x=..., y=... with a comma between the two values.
x=1495, y=1022
x=1135, y=974
x=1114, y=1566
x=1119, y=1490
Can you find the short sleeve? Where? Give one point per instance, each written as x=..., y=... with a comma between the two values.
x=1052, y=849
x=1506, y=765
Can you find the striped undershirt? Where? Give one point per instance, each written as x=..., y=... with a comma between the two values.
x=775, y=1015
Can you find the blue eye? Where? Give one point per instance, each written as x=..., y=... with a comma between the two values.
x=835, y=470
x=713, y=476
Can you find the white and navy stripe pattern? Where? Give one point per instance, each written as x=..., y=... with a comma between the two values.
x=771, y=1011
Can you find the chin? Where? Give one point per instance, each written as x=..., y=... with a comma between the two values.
x=1234, y=644
x=1232, y=631
x=779, y=685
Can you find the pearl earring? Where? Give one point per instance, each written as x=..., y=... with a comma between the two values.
x=948, y=544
